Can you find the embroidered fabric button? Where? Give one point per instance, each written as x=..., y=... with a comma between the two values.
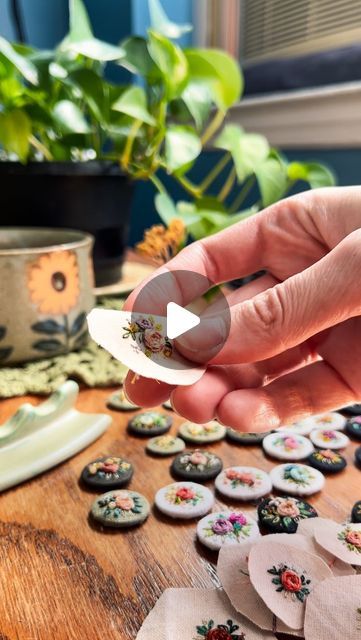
x=201, y=433
x=110, y=471
x=297, y=479
x=327, y=461
x=329, y=439
x=285, y=446
x=300, y=428
x=243, y=483
x=226, y=528
x=353, y=427
x=119, y=402
x=245, y=438
x=282, y=515
x=184, y=500
x=332, y=420
x=165, y=445
x=353, y=410
x=120, y=509
x=356, y=512
x=150, y=423
x=196, y=465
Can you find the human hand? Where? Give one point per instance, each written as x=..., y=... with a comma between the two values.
x=294, y=345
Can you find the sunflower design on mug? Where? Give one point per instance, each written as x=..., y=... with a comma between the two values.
x=53, y=284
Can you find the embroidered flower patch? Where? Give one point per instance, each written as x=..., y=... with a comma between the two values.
x=106, y=469
x=150, y=420
x=198, y=460
x=328, y=456
x=291, y=582
x=208, y=631
x=295, y=474
x=351, y=538
x=287, y=443
x=150, y=335
x=183, y=495
x=243, y=479
x=115, y=505
x=233, y=526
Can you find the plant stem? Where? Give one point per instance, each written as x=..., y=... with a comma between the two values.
x=129, y=146
x=215, y=172
x=213, y=127
x=191, y=188
x=227, y=187
x=158, y=184
x=243, y=194
x=40, y=147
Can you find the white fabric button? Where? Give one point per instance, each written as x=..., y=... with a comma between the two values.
x=184, y=500
x=297, y=479
x=226, y=528
x=329, y=439
x=285, y=446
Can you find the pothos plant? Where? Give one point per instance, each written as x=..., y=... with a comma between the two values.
x=59, y=106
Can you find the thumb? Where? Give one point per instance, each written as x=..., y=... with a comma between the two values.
x=285, y=315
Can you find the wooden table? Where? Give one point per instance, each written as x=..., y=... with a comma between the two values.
x=63, y=578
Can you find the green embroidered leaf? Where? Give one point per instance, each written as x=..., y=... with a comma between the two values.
x=78, y=323
x=5, y=352
x=51, y=327
x=48, y=346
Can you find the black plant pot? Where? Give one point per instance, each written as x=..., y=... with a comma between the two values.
x=90, y=196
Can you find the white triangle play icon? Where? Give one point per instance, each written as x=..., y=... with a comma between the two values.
x=179, y=320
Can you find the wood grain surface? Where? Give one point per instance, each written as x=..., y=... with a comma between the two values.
x=64, y=578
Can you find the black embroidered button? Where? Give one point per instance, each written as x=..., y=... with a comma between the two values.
x=353, y=427
x=356, y=512
x=327, y=461
x=282, y=515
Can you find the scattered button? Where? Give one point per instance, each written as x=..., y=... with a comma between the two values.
x=184, y=500
x=297, y=479
x=119, y=402
x=356, y=512
x=226, y=528
x=201, y=433
x=150, y=423
x=327, y=461
x=120, y=509
x=111, y=471
x=165, y=445
x=282, y=515
x=329, y=439
x=285, y=446
x=244, y=438
x=353, y=427
x=197, y=465
x=243, y=483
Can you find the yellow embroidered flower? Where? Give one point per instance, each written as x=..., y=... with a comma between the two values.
x=53, y=282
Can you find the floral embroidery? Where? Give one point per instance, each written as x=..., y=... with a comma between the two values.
x=327, y=419
x=202, y=429
x=111, y=467
x=288, y=443
x=150, y=420
x=296, y=474
x=198, y=460
x=149, y=335
x=291, y=582
x=329, y=436
x=117, y=505
x=183, y=496
x=286, y=510
x=207, y=631
x=327, y=456
x=243, y=479
x=351, y=538
x=234, y=526
x=164, y=442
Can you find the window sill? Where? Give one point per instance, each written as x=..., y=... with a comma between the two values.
x=326, y=117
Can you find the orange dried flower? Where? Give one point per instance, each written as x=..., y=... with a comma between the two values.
x=161, y=243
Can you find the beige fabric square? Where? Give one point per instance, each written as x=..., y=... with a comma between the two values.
x=333, y=610
x=195, y=614
x=308, y=529
x=283, y=576
x=342, y=540
x=233, y=573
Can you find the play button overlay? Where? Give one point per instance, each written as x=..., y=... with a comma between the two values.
x=191, y=306
x=179, y=320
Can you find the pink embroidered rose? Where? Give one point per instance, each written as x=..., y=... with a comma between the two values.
x=329, y=455
x=153, y=340
x=290, y=442
x=198, y=458
x=222, y=526
x=354, y=538
x=145, y=323
x=238, y=518
x=246, y=478
x=218, y=634
x=109, y=468
x=124, y=503
x=330, y=435
x=231, y=474
x=291, y=581
x=288, y=508
x=185, y=494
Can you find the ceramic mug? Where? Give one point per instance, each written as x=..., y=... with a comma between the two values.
x=46, y=291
